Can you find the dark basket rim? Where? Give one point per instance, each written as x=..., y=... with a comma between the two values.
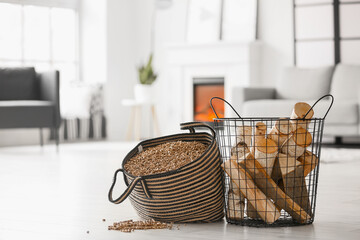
x=266, y=118
x=165, y=174
x=258, y=223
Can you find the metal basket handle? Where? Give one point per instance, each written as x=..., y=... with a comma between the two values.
x=332, y=101
x=212, y=107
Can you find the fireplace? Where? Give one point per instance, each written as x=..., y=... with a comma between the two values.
x=204, y=89
x=238, y=63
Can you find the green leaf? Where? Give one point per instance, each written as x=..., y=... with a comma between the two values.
x=146, y=73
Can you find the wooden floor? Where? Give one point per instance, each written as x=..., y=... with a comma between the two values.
x=49, y=195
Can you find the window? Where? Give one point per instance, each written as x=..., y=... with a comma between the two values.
x=39, y=36
x=314, y=33
x=326, y=32
x=349, y=31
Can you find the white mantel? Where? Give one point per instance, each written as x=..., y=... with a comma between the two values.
x=211, y=53
x=237, y=62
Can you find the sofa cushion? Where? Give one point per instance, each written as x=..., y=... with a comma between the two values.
x=346, y=82
x=304, y=83
x=26, y=114
x=342, y=112
x=18, y=84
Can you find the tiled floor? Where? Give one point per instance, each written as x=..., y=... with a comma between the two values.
x=49, y=195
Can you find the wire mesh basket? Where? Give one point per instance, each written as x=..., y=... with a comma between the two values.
x=271, y=166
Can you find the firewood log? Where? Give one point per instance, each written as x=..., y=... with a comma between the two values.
x=236, y=200
x=276, y=172
x=239, y=150
x=243, y=135
x=237, y=154
x=265, y=152
x=281, y=184
x=299, y=111
x=295, y=186
x=260, y=131
x=259, y=134
x=309, y=162
x=264, y=206
x=287, y=164
x=236, y=203
x=280, y=131
x=283, y=163
x=272, y=190
x=297, y=143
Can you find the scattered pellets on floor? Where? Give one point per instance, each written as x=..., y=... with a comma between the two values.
x=164, y=157
x=130, y=225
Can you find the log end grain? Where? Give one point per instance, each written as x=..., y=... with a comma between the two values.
x=239, y=150
x=260, y=128
x=283, y=126
x=300, y=110
x=302, y=137
x=266, y=145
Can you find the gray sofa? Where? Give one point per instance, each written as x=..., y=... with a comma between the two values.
x=299, y=84
x=29, y=100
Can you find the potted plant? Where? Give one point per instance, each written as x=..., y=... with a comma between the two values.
x=146, y=78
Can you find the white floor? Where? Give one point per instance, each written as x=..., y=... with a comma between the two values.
x=49, y=195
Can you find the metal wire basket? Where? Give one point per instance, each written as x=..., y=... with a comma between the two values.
x=271, y=166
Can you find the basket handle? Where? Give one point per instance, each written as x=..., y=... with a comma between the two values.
x=332, y=101
x=129, y=189
x=191, y=125
x=212, y=107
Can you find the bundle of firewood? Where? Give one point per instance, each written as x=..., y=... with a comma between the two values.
x=268, y=166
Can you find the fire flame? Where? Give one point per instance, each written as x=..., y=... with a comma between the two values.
x=203, y=111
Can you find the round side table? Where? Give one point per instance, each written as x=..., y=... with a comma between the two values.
x=135, y=118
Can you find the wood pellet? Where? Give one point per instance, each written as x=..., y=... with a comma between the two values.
x=164, y=157
x=130, y=225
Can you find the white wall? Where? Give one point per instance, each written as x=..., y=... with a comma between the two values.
x=170, y=28
x=92, y=39
x=128, y=45
x=120, y=68
x=276, y=35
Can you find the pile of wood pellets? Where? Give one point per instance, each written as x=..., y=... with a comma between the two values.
x=130, y=225
x=164, y=157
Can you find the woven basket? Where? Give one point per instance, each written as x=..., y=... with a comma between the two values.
x=192, y=193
